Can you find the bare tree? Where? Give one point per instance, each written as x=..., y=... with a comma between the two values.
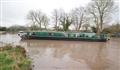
x=86, y=26
x=100, y=10
x=78, y=16
x=37, y=17
x=66, y=21
x=57, y=14
x=45, y=21
x=56, y=17
x=31, y=17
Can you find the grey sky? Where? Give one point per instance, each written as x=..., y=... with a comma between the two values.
x=14, y=11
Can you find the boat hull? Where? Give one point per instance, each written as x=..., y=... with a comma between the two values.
x=64, y=38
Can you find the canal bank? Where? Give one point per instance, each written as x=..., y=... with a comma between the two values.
x=14, y=58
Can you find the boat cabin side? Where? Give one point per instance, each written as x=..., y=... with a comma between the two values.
x=67, y=35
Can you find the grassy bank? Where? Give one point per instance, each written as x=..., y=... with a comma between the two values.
x=14, y=58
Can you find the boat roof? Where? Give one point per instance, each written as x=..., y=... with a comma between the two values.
x=64, y=32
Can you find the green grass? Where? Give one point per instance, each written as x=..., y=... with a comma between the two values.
x=13, y=58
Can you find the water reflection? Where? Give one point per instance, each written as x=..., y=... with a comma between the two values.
x=72, y=55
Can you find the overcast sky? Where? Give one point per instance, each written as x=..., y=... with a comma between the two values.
x=14, y=11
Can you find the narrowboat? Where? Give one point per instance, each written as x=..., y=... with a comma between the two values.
x=78, y=36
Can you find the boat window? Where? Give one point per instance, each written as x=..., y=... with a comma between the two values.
x=33, y=33
x=68, y=35
x=50, y=34
x=83, y=35
x=80, y=35
x=74, y=35
x=93, y=36
x=21, y=32
x=27, y=33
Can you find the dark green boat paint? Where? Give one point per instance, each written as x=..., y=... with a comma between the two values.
x=65, y=36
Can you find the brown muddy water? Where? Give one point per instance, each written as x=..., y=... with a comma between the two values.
x=69, y=55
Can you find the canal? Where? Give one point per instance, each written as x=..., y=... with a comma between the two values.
x=69, y=55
